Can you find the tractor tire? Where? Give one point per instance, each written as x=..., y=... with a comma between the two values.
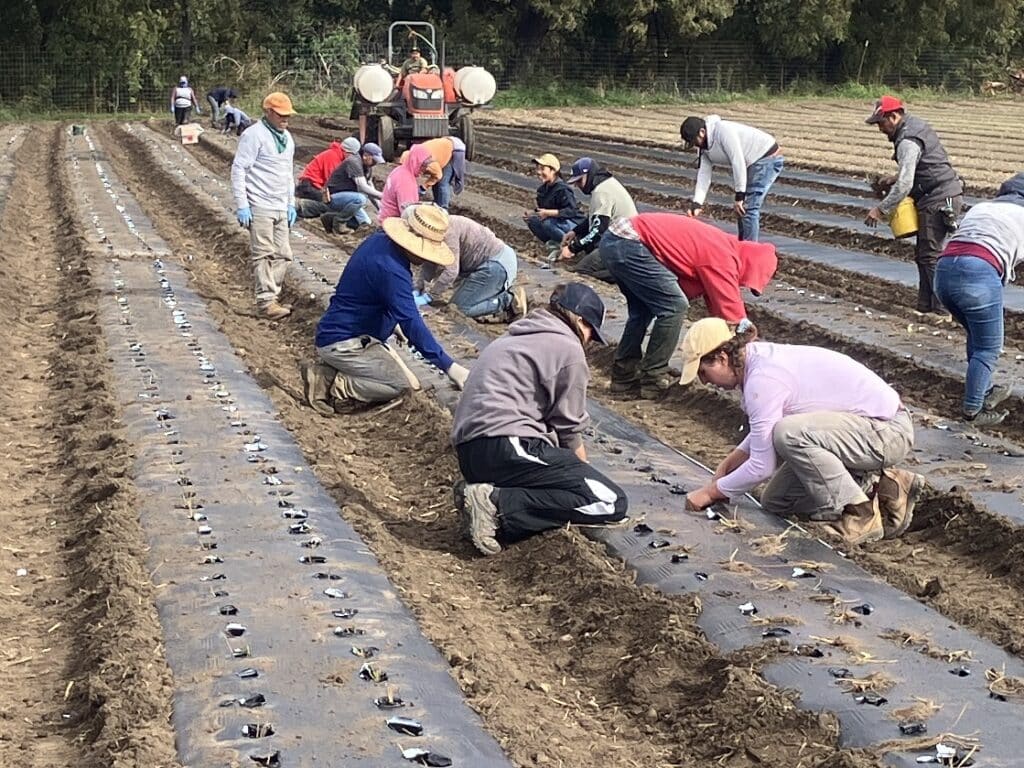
x=466, y=134
x=386, y=136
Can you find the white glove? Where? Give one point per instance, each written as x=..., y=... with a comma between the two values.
x=458, y=375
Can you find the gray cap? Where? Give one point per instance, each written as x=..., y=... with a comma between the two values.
x=351, y=145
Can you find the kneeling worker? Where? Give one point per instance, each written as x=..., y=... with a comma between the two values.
x=518, y=428
x=373, y=296
x=483, y=271
x=817, y=418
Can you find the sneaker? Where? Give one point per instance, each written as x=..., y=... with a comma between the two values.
x=315, y=385
x=519, y=305
x=995, y=397
x=480, y=517
x=986, y=418
x=274, y=310
x=897, y=495
x=860, y=523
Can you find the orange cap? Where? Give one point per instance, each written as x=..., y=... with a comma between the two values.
x=279, y=102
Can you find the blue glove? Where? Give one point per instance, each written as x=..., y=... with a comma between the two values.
x=244, y=216
x=422, y=299
x=292, y=215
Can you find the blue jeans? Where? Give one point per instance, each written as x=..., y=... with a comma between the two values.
x=443, y=188
x=484, y=291
x=760, y=177
x=652, y=293
x=547, y=230
x=349, y=205
x=970, y=288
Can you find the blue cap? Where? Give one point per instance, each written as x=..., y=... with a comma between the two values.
x=584, y=301
x=374, y=151
x=580, y=169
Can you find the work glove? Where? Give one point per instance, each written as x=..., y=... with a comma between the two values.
x=244, y=216
x=422, y=299
x=292, y=215
x=458, y=375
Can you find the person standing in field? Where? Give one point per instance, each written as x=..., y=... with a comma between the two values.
x=971, y=273
x=261, y=182
x=753, y=155
x=927, y=176
x=825, y=433
x=558, y=211
x=183, y=100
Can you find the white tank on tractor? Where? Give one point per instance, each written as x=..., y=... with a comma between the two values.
x=373, y=83
x=475, y=85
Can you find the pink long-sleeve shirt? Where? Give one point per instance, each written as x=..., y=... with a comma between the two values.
x=402, y=185
x=785, y=379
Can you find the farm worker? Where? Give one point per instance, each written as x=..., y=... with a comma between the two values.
x=446, y=172
x=979, y=260
x=821, y=426
x=311, y=191
x=753, y=155
x=373, y=297
x=402, y=186
x=351, y=186
x=261, y=181
x=609, y=200
x=557, y=211
x=414, y=64
x=662, y=261
x=518, y=428
x=183, y=99
x=925, y=174
x=217, y=98
x=483, y=272
x=234, y=117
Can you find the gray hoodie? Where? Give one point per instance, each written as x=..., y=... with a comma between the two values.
x=531, y=382
x=998, y=225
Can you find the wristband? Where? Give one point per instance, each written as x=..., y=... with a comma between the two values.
x=740, y=196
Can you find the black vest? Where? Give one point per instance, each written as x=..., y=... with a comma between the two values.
x=934, y=176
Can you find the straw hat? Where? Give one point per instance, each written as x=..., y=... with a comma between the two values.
x=420, y=230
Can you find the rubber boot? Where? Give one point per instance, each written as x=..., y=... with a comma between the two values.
x=654, y=376
x=898, y=492
x=860, y=523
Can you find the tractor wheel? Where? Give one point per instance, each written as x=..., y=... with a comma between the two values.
x=386, y=136
x=466, y=134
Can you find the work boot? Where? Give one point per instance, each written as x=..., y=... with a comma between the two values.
x=986, y=418
x=654, y=387
x=519, y=305
x=274, y=310
x=316, y=387
x=480, y=517
x=995, y=396
x=623, y=386
x=860, y=523
x=897, y=495
x=330, y=221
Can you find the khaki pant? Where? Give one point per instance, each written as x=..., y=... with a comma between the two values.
x=817, y=453
x=270, y=252
x=367, y=370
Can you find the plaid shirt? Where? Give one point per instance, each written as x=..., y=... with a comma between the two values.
x=623, y=228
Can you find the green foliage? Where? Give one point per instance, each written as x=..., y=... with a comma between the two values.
x=801, y=28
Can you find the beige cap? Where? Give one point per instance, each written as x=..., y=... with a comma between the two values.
x=549, y=160
x=704, y=336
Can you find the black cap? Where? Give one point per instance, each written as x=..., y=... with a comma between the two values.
x=584, y=301
x=689, y=129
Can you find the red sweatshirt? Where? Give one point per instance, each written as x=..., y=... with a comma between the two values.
x=707, y=261
x=320, y=168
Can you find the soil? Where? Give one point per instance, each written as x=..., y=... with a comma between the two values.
x=82, y=676
x=566, y=658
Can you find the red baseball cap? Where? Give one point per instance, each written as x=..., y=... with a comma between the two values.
x=883, y=107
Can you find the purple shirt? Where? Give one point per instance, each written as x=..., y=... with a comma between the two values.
x=785, y=379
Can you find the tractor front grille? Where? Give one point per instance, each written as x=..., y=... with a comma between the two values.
x=429, y=127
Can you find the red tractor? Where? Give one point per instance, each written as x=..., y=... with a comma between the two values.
x=396, y=111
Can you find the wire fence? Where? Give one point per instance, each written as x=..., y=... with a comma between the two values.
x=34, y=81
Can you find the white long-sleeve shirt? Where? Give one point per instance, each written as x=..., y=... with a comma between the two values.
x=261, y=177
x=733, y=144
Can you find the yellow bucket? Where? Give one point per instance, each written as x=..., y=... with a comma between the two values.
x=903, y=220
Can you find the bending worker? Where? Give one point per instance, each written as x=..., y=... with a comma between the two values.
x=558, y=210
x=373, y=297
x=311, y=190
x=926, y=175
x=483, y=272
x=979, y=261
x=817, y=418
x=661, y=262
x=753, y=155
x=351, y=186
x=402, y=186
x=518, y=428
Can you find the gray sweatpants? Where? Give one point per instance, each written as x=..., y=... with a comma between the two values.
x=817, y=453
x=367, y=370
x=271, y=251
